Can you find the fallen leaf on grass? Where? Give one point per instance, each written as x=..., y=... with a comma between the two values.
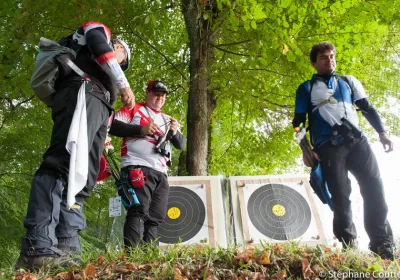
x=130, y=266
x=107, y=272
x=227, y=274
x=279, y=275
x=307, y=255
x=122, y=257
x=252, y=276
x=145, y=267
x=264, y=258
x=100, y=260
x=278, y=249
x=121, y=270
x=90, y=271
x=208, y=273
x=328, y=250
x=245, y=256
x=305, y=269
x=317, y=269
x=65, y=276
x=25, y=276
x=335, y=259
x=178, y=274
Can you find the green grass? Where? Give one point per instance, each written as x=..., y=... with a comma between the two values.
x=268, y=261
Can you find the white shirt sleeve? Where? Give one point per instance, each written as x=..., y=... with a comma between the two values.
x=357, y=88
x=113, y=69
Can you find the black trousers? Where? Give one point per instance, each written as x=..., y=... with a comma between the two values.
x=50, y=224
x=142, y=222
x=358, y=158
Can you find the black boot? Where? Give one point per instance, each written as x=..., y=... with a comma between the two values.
x=38, y=262
x=133, y=231
x=385, y=250
x=32, y=258
x=71, y=246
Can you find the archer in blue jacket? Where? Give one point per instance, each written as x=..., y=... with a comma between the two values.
x=327, y=100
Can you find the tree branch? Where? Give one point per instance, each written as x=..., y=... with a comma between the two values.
x=234, y=43
x=24, y=101
x=266, y=70
x=235, y=53
x=284, y=106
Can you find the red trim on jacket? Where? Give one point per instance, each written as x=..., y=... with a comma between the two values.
x=94, y=24
x=103, y=59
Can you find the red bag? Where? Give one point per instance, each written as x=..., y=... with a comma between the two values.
x=136, y=178
x=104, y=171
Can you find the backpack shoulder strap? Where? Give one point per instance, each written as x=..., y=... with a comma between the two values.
x=308, y=85
x=346, y=79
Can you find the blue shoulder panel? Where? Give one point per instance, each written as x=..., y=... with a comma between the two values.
x=303, y=98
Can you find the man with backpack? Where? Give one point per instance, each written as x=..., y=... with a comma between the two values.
x=52, y=227
x=145, y=159
x=327, y=99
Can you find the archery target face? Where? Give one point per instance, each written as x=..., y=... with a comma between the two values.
x=186, y=219
x=279, y=211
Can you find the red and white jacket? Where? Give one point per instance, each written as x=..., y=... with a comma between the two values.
x=105, y=56
x=140, y=150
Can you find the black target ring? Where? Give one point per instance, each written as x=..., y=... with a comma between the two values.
x=279, y=212
x=185, y=217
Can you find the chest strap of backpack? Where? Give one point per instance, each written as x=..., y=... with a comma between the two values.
x=330, y=100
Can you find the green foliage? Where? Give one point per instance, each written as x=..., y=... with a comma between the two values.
x=257, y=70
x=260, y=57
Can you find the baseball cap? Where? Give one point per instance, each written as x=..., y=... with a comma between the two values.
x=157, y=86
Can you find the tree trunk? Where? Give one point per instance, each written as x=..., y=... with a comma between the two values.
x=201, y=52
x=182, y=164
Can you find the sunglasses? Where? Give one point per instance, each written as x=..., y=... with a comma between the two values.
x=159, y=86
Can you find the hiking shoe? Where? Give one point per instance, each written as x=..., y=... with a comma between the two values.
x=385, y=251
x=38, y=262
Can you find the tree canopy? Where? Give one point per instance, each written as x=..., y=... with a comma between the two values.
x=248, y=55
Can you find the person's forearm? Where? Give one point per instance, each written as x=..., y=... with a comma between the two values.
x=121, y=129
x=179, y=141
x=299, y=119
x=370, y=113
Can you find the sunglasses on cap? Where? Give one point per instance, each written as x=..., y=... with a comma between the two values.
x=157, y=86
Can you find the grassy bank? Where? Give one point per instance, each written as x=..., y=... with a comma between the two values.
x=268, y=261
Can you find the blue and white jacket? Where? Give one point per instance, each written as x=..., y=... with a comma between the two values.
x=312, y=96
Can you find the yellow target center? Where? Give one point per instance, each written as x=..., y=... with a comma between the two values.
x=174, y=213
x=279, y=210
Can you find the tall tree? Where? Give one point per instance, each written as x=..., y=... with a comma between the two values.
x=200, y=103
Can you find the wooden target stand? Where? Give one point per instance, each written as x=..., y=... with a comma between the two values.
x=195, y=213
x=275, y=209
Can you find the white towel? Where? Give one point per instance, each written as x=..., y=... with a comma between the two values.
x=77, y=146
